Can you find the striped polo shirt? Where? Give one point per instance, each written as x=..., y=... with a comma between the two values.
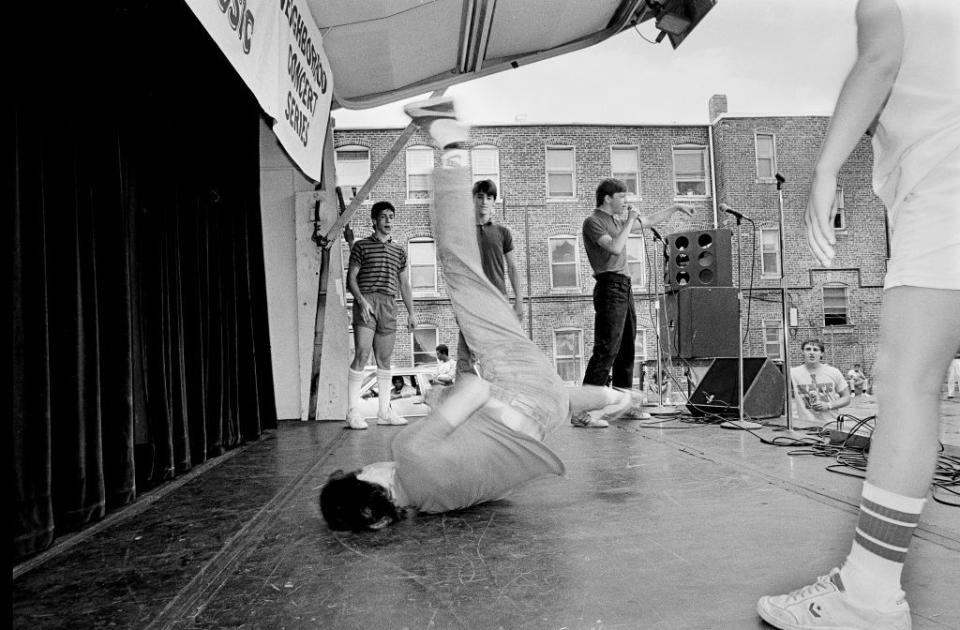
x=380, y=263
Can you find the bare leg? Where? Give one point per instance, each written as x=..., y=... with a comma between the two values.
x=919, y=335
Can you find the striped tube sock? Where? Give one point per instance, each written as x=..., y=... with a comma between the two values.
x=871, y=573
x=354, y=382
x=384, y=385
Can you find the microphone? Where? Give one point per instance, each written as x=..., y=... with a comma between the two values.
x=656, y=235
x=725, y=208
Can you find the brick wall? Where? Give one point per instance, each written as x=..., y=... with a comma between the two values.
x=533, y=219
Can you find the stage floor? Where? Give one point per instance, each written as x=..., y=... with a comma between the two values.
x=657, y=525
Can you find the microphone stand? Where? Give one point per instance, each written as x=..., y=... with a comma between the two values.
x=742, y=423
x=784, y=322
x=660, y=409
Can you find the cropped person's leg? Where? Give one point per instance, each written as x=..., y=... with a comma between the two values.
x=919, y=333
x=623, y=363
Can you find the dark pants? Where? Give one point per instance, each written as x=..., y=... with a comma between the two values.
x=614, y=330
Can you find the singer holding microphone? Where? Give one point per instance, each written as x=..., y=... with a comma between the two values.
x=605, y=234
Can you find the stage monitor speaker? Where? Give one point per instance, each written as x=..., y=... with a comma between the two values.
x=700, y=323
x=718, y=393
x=697, y=259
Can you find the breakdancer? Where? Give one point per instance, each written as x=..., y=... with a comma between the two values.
x=483, y=437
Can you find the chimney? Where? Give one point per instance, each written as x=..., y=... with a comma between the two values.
x=718, y=105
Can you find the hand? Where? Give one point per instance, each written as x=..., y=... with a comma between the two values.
x=366, y=311
x=821, y=208
x=632, y=214
x=821, y=406
x=518, y=309
x=348, y=233
x=412, y=322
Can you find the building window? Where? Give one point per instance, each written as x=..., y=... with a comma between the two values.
x=840, y=219
x=766, y=155
x=419, y=167
x=639, y=355
x=773, y=339
x=625, y=166
x=485, y=162
x=636, y=261
x=560, y=172
x=423, y=341
x=770, y=252
x=422, y=259
x=563, y=262
x=835, y=306
x=568, y=354
x=690, y=171
x=353, y=169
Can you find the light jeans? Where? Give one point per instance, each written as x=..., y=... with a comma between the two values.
x=520, y=375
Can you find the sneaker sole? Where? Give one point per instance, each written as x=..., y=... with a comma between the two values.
x=421, y=109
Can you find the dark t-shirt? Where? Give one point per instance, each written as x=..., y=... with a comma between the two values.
x=602, y=260
x=495, y=242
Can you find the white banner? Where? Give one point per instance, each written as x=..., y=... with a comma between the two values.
x=276, y=48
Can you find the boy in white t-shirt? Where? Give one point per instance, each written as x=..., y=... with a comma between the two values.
x=820, y=388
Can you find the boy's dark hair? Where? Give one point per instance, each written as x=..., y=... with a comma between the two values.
x=814, y=342
x=381, y=207
x=485, y=186
x=348, y=503
x=609, y=186
x=444, y=349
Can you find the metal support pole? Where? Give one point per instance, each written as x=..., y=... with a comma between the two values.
x=784, y=320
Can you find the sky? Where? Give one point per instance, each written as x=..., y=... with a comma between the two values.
x=770, y=57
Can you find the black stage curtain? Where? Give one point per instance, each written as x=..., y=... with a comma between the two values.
x=139, y=341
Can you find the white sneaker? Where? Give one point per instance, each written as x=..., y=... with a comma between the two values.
x=586, y=421
x=392, y=418
x=438, y=117
x=825, y=605
x=355, y=420
x=618, y=409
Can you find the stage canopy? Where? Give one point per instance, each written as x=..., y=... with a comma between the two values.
x=303, y=57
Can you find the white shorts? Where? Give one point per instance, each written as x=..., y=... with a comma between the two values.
x=925, y=232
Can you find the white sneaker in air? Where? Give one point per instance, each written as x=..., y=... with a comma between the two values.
x=825, y=605
x=438, y=117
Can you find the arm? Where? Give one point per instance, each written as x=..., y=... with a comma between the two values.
x=656, y=218
x=352, y=272
x=515, y=281
x=407, y=296
x=616, y=244
x=879, y=46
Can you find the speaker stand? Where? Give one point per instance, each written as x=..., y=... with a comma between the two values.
x=742, y=423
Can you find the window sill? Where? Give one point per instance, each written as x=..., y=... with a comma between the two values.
x=416, y=202
x=765, y=180
x=839, y=328
x=680, y=198
x=561, y=199
x=564, y=290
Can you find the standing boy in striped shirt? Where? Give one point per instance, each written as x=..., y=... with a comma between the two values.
x=377, y=270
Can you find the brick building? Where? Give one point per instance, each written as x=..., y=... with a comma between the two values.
x=547, y=175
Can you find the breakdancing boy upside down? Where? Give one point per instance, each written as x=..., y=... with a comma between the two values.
x=485, y=436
